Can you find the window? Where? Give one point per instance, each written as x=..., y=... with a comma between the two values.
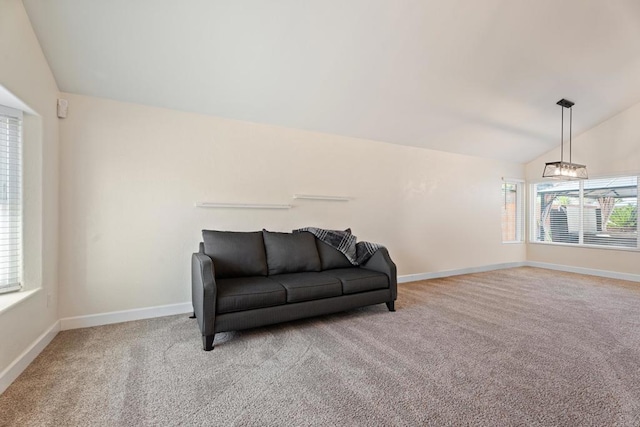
x=594, y=212
x=10, y=199
x=512, y=209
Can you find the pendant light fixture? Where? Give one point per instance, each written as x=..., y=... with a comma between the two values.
x=562, y=169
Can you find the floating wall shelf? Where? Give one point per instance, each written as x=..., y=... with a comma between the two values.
x=319, y=197
x=241, y=205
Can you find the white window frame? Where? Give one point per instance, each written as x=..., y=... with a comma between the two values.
x=17, y=114
x=532, y=223
x=520, y=209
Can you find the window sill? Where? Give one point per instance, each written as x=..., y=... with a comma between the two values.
x=14, y=298
x=583, y=246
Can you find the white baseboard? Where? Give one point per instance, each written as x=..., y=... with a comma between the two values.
x=589, y=271
x=569, y=269
x=438, y=274
x=16, y=367
x=124, y=316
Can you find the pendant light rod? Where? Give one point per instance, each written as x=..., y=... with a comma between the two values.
x=570, y=132
x=565, y=103
x=562, y=169
x=562, y=136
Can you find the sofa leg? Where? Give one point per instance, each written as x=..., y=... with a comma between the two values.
x=391, y=305
x=193, y=315
x=207, y=342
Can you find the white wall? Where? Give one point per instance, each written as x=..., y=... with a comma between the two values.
x=611, y=148
x=130, y=176
x=25, y=73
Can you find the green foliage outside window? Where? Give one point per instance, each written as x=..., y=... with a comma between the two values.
x=624, y=217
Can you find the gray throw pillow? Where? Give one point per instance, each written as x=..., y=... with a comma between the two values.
x=236, y=254
x=330, y=257
x=291, y=252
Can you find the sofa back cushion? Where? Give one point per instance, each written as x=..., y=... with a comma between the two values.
x=330, y=257
x=291, y=252
x=236, y=254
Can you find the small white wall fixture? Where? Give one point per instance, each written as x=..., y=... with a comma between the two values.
x=321, y=197
x=241, y=205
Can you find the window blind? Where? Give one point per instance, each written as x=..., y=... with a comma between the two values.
x=10, y=199
x=610, y=215
x=512, y=207
x=594, y=212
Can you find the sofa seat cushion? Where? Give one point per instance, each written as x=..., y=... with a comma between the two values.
x=246, y=293
x=308, y=286
x=357, y=279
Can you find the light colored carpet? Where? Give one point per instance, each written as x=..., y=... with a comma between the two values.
x=523, y=346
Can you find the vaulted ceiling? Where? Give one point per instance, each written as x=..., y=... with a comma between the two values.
x=478, y=77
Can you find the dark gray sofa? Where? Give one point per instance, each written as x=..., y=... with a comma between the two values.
x=242, y=280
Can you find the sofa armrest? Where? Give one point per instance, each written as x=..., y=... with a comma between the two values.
x=381, y=262
x=203, y=292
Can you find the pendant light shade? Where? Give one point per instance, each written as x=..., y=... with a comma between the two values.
x=565, y=170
